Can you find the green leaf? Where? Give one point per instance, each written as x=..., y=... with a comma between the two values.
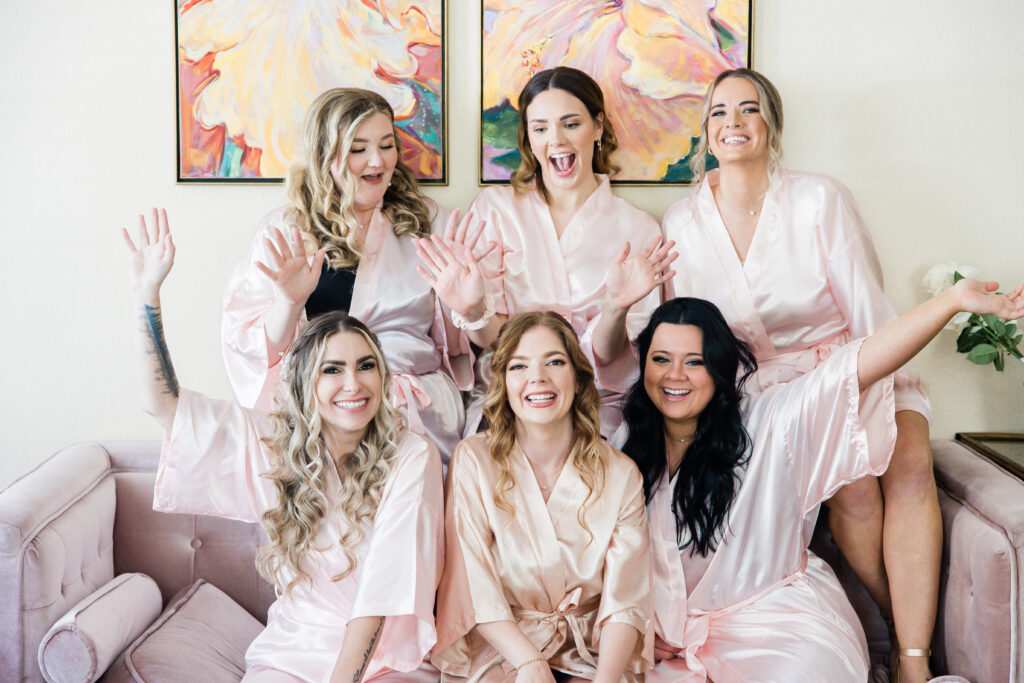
x=999, y=327
x=982, y=354
x=999, y=362
x=969, y=338
x=1011, y=329
x=990, y=320
x=1016, y=340
x=957, y=277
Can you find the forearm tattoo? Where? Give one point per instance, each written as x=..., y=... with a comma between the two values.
x=158, y=349
x=358, y=675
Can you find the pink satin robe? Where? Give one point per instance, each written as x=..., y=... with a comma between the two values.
x=539, y=567
x=542, y=272
x=810, y=283
x=211, y=463
x=766, y=608
x=428, y=357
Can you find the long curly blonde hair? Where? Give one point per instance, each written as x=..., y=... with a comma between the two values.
x=587, y=445
x=586, y=90
x=323, y=212
x=301, y=460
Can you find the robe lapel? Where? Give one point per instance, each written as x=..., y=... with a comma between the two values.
x=365, y=285
x=710, y=221
x=669, y=585
x=537, y=520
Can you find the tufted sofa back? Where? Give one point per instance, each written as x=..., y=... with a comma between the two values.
x=84, y=516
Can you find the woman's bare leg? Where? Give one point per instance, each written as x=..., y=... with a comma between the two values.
x=912, y=541
x=855, y=517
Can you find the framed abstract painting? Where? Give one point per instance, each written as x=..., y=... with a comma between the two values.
x=247, y=71
x=652, y=58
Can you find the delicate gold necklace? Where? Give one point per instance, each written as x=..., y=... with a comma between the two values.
x=558, y=470
x=749, y=212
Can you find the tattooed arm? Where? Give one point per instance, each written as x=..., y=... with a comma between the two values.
x=361, y=637
x=151, y=261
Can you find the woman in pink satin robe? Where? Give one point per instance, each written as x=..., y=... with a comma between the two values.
x=788, y=260
x=547, y=559
x=559, y=227
x=350, y=500
x=733, y=484
x=359, y=205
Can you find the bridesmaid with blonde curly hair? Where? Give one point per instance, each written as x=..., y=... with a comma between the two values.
x=356, y=208
x=547, y=562
x=350, y=500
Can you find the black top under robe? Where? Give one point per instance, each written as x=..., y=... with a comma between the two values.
x=333, y=292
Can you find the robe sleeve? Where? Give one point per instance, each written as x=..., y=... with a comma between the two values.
x=456, y=352
x=833, y=433
x=855, y=277
x=471, y=590
x=626, y=588
x=212, y=460
x=400, y=571
x=249, y=295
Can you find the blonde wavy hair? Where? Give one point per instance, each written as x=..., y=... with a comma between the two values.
x=586, y=90
x=587, y=446
x=301, y=460
x=771, y=113
x=323, y=212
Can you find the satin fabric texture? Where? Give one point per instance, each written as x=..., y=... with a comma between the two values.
x=212, y=462
x=538, y=567
x=810, y=283
x=429, y=358
x=761, y=606
x=540, y=271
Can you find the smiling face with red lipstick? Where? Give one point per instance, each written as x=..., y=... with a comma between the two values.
x=676, y=378
x=540, y=380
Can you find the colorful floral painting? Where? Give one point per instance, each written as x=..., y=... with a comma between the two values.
x=652, y=58
x=247, y=71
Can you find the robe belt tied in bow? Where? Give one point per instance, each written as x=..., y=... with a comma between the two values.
x=409, y=396
x=550, y=630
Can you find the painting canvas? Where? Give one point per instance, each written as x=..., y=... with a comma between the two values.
x=652, y=58
x=247, y=71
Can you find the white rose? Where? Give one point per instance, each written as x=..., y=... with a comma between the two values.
x=958, y=321
x=940, y=276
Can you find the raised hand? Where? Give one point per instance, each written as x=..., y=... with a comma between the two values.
x=151, y=261
x=631, y=278
x=979, y=297
x=451, y=267
x=289, y=269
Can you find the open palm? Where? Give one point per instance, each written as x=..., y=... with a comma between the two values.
x=451, y=267
x=981, y=298
x=153, y=258
x=632, y=277
x=293, y=276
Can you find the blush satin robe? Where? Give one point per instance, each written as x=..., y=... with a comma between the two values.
x=810, y=283
x=428, y=357
x=211, y=464
x=538, y=567
x=762, y=607
x=540, y=271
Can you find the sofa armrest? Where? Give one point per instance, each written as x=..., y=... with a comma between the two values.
x=56, y=530
x=980, y=627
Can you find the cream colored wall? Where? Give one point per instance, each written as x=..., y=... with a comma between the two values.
x=916, y=106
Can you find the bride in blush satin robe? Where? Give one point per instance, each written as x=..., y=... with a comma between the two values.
x=559, y=227
x=733, y=484
x=786, y=257
x=350, y=500
x=547, y=562
x=364, y=235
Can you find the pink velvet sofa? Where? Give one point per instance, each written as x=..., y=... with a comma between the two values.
x=84, y=516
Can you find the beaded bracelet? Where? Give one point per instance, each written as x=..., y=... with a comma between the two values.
x=538, y=658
